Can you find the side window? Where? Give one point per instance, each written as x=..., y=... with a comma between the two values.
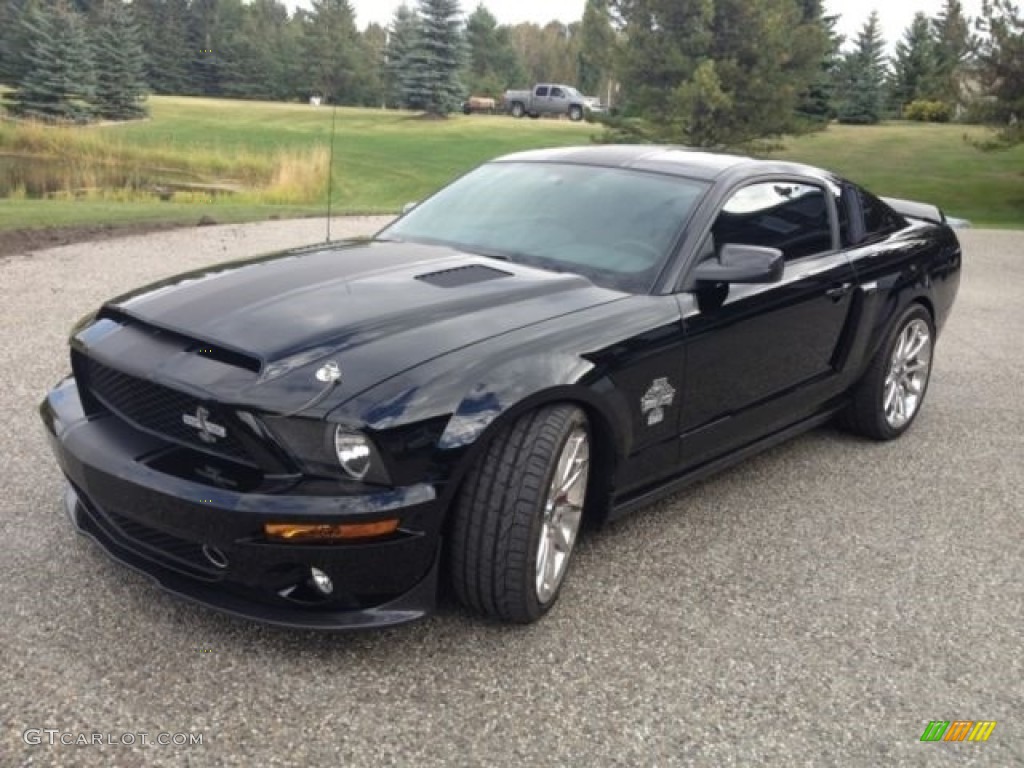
x=542, y=91
x=777, y=214
x=880, y=220
x=557, y=93
x=863, y=218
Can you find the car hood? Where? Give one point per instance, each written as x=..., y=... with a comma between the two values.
x=378, y=308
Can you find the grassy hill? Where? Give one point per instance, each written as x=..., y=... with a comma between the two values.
x=274, y=157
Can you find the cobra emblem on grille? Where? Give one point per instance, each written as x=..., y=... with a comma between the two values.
x=208, y=431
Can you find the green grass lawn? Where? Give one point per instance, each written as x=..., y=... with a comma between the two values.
x=926, y=162
x=383, y=159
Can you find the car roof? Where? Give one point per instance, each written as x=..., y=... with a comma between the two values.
x=667, y=159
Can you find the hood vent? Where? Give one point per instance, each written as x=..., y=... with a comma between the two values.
x=459, y=276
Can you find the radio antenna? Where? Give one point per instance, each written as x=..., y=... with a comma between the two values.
x=330, y=167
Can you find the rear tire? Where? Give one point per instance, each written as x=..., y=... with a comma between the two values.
x=518, y=110
x=517, y=516
x=889, y=397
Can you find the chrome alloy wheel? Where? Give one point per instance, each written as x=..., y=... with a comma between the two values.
x=562, y=514
x=908, y=374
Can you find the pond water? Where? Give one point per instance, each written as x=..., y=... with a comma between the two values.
x=42, y=177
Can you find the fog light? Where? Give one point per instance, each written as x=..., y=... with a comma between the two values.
x=308, y=532
x=321, y=581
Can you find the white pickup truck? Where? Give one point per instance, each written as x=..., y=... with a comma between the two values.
x=547, y=99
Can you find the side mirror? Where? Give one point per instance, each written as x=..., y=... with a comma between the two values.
x=408, y=207
x=742, y=264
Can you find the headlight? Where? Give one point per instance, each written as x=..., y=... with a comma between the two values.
x=355, y=452
x=327, y=449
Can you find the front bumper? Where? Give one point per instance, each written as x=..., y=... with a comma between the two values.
x=205, y=542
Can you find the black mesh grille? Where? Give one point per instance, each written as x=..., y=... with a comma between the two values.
x=187, y=553
x=161, y=409
x=170, y=551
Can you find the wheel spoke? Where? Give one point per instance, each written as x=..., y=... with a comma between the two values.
x=552, y=568
x=898, y=355
x=890, y=396
x=917, y=344
x=572, y=482
x=908, y=373
x=564, y=512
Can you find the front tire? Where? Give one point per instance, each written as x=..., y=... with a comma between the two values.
x=518, y=514
x=891, y=394
x=575, y=113
x=518, y=110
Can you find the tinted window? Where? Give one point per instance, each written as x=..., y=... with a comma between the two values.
x=615, y=226
x=542, y=91
x=557, y=93
x=879, y=219
x=791, y=217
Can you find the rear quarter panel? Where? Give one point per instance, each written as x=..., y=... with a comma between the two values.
x=921, y=263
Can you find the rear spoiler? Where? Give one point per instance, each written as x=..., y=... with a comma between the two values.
x=916, y=210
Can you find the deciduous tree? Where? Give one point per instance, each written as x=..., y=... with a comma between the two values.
x=1001, y=69
x=715, y=74
x=492, y=63
x=598, y=45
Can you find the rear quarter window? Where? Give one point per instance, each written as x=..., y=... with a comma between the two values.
x=880, y=220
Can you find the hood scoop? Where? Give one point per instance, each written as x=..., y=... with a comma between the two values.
x=459, y=276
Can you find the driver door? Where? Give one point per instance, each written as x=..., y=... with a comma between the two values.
x=762, y=357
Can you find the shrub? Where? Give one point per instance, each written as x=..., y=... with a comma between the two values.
x=928, y=111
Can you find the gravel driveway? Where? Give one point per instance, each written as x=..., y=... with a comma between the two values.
x=815, y=606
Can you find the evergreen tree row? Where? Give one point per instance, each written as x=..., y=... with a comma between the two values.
x=696, y=71
x=70, y=65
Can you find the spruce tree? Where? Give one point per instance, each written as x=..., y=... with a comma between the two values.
x=402, y=36
x=431, y=75
x=862, y=77
x=954, y=45
x=120, y=65
x=163, y=25
x=332, y=50
x=13, y=43
x=59, y=82
x=915, y=74
x=816, y=106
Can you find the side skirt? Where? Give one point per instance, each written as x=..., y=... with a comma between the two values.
x=622, y=507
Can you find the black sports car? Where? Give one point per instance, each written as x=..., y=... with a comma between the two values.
x=315, y=438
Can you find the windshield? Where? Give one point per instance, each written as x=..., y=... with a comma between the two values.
x=614, y=226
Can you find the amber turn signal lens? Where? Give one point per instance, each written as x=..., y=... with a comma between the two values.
x=329, y=532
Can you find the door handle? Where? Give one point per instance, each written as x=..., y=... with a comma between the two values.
x=839, y=291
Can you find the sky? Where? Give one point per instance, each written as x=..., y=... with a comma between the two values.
x=896, y=15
